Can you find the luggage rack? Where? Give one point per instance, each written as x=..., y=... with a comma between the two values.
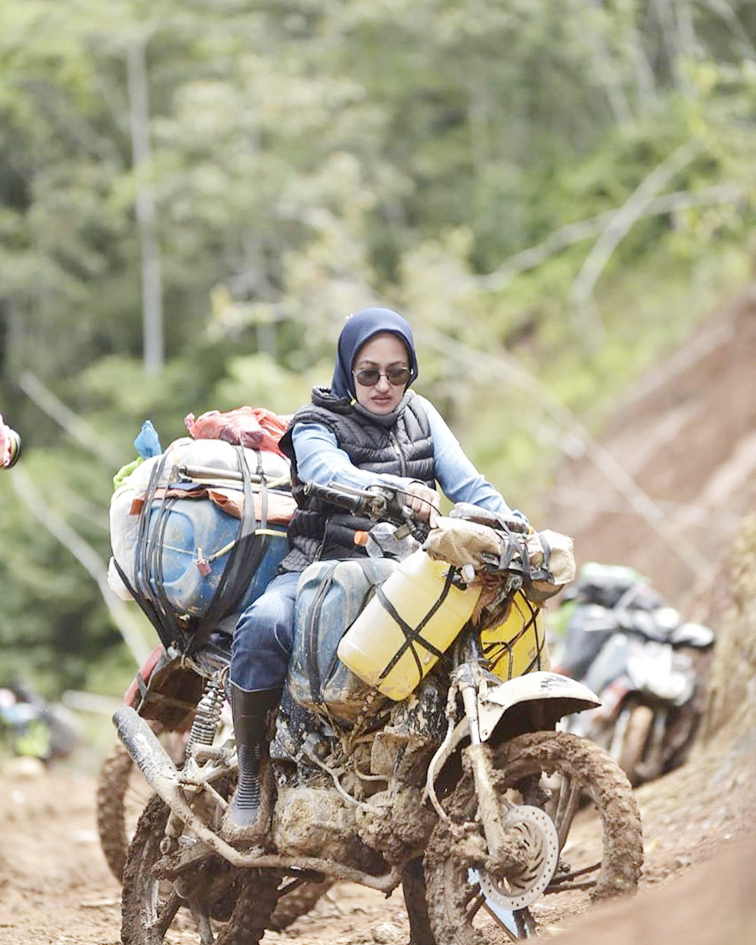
x=212, y=473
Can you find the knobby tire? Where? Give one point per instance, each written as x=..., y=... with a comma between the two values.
x=241, y=912
x=579, y=761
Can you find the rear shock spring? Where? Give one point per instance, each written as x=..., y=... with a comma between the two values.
x=207, y=718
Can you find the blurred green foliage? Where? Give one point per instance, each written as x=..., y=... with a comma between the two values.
x=308, y=159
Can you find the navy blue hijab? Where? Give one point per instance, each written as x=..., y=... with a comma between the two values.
x=359, y=329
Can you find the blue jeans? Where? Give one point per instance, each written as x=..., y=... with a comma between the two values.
x=264, y=636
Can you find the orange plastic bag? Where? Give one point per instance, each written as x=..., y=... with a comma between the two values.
x=255, y=428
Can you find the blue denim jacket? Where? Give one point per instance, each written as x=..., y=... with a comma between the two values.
x=319, y=459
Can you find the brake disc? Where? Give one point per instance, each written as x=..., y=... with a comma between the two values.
x=541, y=842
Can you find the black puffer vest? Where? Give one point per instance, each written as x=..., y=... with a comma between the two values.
x=402, y=447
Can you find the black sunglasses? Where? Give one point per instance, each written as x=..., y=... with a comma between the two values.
x=369, y=377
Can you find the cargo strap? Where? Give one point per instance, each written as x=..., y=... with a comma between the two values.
x=311, y=637
x=412, y=635
x=244, y=559
x=508, y=645
x=510, y=547
x=147, y=564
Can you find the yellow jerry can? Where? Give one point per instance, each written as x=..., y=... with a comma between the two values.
x=409, y=623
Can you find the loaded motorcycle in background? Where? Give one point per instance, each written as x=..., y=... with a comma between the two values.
x=646, y=663
x=414, y=745
x=648, y=675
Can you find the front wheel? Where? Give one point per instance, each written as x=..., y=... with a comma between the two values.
x=635, y=741
x=575, y=850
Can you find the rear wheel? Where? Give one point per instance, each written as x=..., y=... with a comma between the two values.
x=293, y=905
x=573, y=850
x=413, y=887
x=122, y=795
x=208, y=903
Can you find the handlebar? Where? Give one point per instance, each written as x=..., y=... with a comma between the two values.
x=378, y=503
x=383, y=503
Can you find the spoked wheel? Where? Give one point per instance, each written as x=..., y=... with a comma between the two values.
x=112, y=785
x=208, y=903
x=572, y=848
x=122, y=796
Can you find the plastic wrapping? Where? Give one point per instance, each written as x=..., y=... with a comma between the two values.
x=546, y=559
x=253, y=427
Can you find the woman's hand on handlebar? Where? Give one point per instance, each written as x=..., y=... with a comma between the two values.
x=425, y=503
x=382, y=501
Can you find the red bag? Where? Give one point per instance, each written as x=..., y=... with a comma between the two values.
x=252, y=427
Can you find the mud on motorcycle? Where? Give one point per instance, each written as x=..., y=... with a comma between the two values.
x=123, y=793
x=462, y=791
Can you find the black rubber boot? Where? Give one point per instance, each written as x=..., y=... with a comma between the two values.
x=245, y=819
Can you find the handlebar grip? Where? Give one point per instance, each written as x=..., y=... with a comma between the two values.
x=352, y=503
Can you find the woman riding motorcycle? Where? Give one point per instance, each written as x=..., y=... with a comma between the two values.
x=368, y=429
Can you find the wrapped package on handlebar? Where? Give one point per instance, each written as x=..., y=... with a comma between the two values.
x=545, y=560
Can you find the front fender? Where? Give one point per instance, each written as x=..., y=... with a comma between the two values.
x=561, y=695
x=558, y=695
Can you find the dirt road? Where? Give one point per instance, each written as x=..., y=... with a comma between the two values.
x=55, y=888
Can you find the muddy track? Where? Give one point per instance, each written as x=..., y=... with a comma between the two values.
x=55, y=886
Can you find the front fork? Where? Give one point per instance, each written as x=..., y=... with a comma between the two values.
x=504, y=851
x=467, y=682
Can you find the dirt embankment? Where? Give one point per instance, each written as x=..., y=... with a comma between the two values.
x=731, y=695
x=715, y=902
x=687, y=437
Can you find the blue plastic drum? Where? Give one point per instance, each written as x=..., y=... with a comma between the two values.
x=193, y=546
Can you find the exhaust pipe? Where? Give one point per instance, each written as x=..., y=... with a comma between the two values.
x=154, y=762
x=144, y=747
x=163, y=776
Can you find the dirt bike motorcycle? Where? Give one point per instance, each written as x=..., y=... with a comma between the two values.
x=428, y=772
x=648, y=675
